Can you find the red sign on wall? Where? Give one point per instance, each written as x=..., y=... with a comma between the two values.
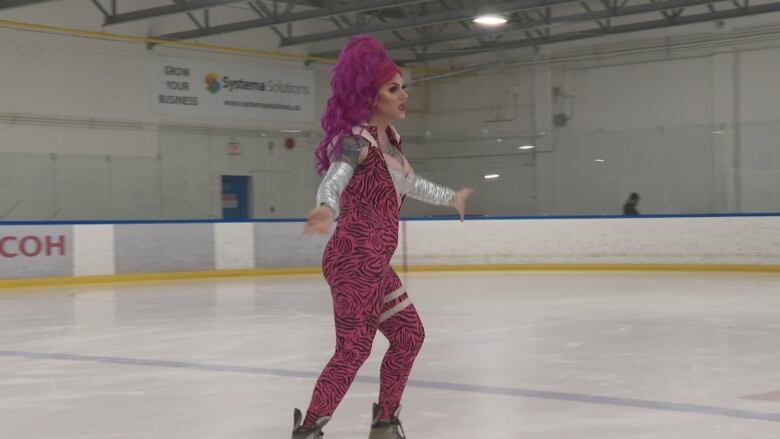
x=32, y=246
x=229, y=201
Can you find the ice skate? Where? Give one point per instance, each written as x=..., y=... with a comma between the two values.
x=390, y=429
x=315, y=432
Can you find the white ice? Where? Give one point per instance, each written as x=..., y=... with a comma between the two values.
x=548, y=355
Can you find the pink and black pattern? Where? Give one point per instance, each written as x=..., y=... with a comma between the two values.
x=367, y=293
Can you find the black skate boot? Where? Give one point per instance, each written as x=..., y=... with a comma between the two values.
x=315, y=432
x=391, y=429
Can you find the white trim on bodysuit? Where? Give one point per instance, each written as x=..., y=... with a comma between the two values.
x=402, y=183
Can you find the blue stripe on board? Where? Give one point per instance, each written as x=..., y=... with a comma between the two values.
x=436, y=218
x=148, y=221
x=423, y=384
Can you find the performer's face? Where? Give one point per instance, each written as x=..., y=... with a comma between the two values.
x=391, y=100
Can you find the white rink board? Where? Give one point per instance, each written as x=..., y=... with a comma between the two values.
x=676, y=240
x=737, y=240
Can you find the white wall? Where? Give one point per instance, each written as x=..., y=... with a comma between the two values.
x=127, y=166
x=473, y=127
x=652, y=121
x=131, y=163
x=759, y=147
x=691, y=135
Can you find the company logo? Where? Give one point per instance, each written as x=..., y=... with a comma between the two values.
x=212, y=82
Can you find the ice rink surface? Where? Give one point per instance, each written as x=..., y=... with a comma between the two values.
x=521, y=355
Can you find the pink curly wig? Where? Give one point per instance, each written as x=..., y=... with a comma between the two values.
x=362, y=67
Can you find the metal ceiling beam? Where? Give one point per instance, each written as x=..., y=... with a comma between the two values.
x=177, y=8
x=574, y=18
x=426, y=20
x=362, y=6
x=6, y=4
x=599, y=32
x=100, y=7
x=323, y=4
x=262, y=10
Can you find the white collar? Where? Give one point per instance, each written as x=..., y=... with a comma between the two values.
x=360, y=130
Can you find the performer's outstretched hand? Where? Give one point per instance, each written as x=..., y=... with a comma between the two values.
x=459, y=201
x=318, y=221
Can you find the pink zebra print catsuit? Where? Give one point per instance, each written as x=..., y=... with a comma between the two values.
x=367, y=293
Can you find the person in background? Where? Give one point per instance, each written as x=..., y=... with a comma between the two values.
x=630, y=207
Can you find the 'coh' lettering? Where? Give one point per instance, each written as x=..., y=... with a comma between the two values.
x=31, y=246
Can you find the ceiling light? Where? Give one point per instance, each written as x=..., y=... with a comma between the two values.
x=600, y=160
x=526, y=147
x=491, y=176
x=490, y=20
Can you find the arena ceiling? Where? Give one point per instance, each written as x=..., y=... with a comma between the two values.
x=420, y=31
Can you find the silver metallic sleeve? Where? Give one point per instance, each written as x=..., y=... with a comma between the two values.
x=429, y=192
x=333, y=184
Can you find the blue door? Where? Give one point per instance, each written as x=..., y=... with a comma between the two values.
x=235, y=197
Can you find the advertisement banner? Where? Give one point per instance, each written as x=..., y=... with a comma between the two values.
x=188, y=87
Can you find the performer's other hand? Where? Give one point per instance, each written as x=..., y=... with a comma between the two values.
x=459, y=201
x=318, y=221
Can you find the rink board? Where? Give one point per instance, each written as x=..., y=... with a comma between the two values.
x=57, y=250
